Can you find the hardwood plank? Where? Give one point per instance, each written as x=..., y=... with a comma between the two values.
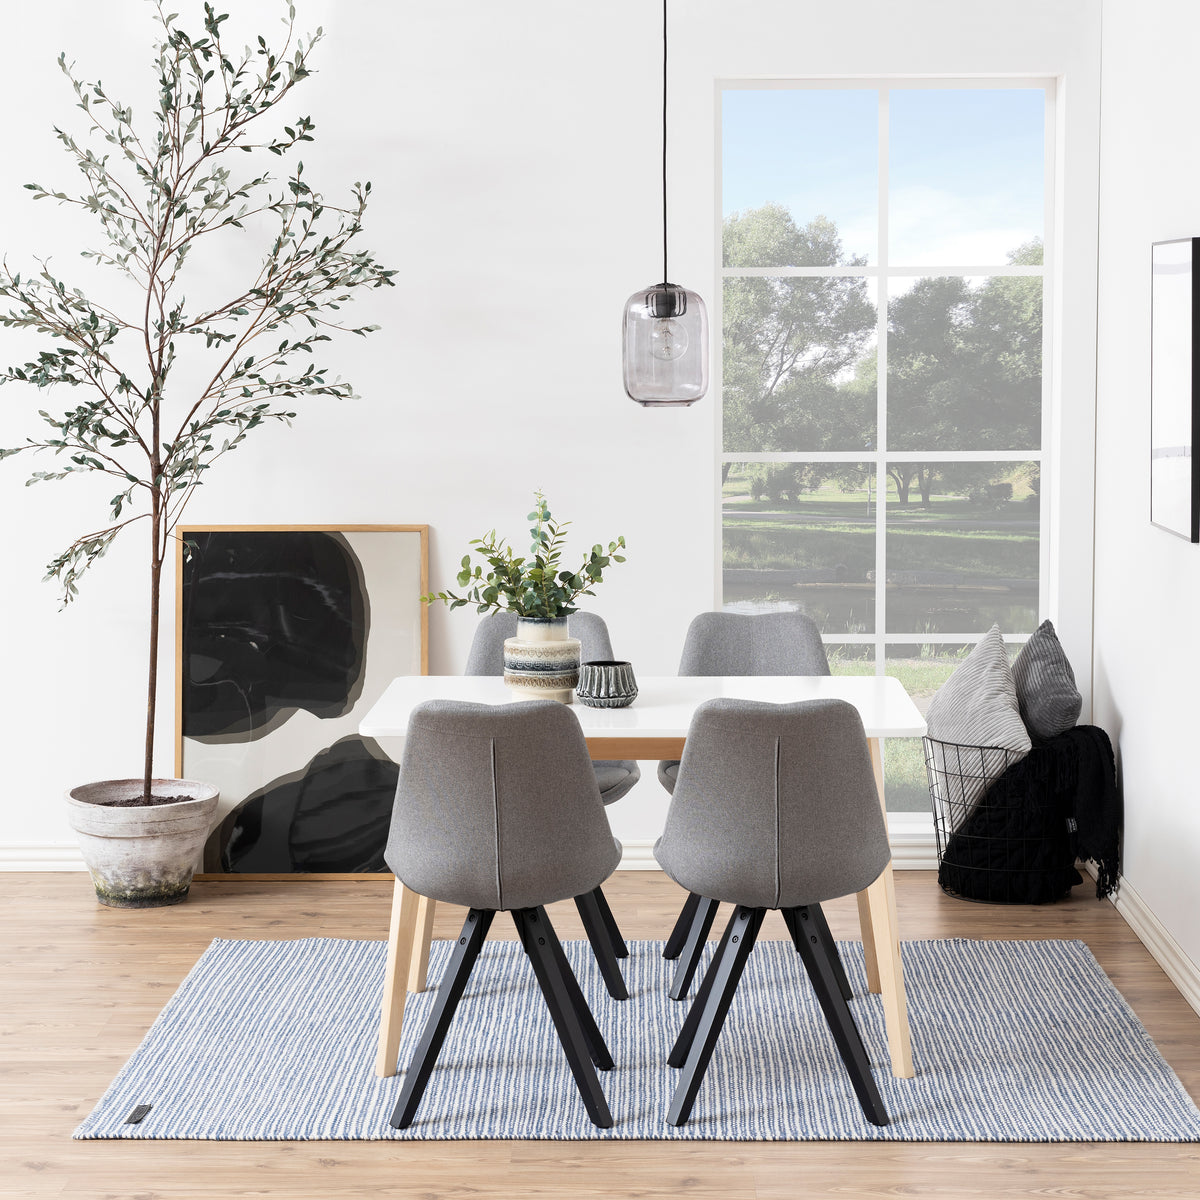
x=80, y=984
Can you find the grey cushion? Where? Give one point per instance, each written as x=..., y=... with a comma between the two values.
x=977, y=706
x=1048, y=699
x=668, y=774
x=497, y=807
x=775, y=805
x=486, y=657
x=723, y=643
x=615, y=778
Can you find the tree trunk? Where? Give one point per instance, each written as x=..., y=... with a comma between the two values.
x=156, y=564
x=903, y=479
x=925, y=479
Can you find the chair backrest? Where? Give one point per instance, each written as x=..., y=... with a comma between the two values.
x=497, y=806
x=780, y=643
x=776, y=805
x=486, y=656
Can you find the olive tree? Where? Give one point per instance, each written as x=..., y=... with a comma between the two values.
x=161, y=384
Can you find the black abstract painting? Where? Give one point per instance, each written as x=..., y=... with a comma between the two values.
x=287, y=637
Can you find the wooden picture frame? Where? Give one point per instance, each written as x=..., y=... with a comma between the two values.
x=1175, y=387
x=285, y=636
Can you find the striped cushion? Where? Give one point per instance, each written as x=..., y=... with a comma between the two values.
x=977, y=706
x=1046, y=693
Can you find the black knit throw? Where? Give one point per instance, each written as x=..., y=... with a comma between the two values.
x=1019, y=842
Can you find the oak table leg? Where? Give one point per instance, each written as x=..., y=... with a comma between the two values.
x=868, y=941
x=881, y=931
x=422, y=938
x=401, y=934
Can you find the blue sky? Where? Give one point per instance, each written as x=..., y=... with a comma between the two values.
x=965, y=166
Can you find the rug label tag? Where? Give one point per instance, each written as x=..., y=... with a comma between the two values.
x=138, y=1113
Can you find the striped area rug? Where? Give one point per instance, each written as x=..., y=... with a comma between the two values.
x=1013, y=1042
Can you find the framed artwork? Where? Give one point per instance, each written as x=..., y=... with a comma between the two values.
x=285, y=637
x=1175, y=388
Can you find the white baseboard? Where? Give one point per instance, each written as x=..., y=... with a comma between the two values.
x=40, y=856
x=911, y=835
x=913, y=844
x=1155, y=936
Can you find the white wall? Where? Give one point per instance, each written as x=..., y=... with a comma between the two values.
x=1147, y=654
x=514, y=151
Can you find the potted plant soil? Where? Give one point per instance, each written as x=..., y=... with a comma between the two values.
x=542, y=661
x=134, y=359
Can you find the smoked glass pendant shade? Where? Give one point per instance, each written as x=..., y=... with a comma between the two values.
x=665, y=346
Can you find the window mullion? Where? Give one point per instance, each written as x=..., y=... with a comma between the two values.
x=881, y=327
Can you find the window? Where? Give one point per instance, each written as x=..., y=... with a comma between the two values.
x=883, y=255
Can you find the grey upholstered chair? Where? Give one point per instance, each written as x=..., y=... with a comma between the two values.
x=486, y=657
x=775, y=807
x=722, y=643
x=497, y=809
x=614, y=778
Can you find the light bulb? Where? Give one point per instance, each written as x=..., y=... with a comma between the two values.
x=668, y=340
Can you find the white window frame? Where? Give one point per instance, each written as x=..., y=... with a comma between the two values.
x=881, y=271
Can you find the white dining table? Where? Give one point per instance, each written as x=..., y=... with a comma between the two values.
x=655, y=726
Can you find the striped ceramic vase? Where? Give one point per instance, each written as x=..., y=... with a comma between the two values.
x=542, y=661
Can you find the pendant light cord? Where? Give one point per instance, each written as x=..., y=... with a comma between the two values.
x=666, y=277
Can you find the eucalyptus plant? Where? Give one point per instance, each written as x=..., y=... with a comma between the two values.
x=534, y=586
x=164, y=385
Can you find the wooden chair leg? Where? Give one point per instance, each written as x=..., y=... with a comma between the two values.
x=610, y=923
x=597, y=933
x=820, y=965
x=419, y=968
x=820, y=926
x=726, y=970
x=401, y=931
x=882, y=897
x=537, y=933
x=693, y=947
x=449, y=992
x=682, y=924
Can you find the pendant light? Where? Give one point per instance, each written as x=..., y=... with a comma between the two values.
x=665, y=337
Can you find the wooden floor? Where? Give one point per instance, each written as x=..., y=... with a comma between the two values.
x=80, y=984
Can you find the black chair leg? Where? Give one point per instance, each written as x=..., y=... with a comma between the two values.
x=610, y=923
x=841, y=1024
x=693, y=946
x=683, y=1043
x=597, y=1046
x=682, y=924
x=726, y=969
x=449, y=992
x=597, y=933
x=821, y=926
x=537, y=934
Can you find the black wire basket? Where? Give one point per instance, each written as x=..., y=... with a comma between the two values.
x=1002, y=834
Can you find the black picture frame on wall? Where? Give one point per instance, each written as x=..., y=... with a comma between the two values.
x=1175, y=387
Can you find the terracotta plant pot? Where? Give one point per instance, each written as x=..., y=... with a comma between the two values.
x=141, y=857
